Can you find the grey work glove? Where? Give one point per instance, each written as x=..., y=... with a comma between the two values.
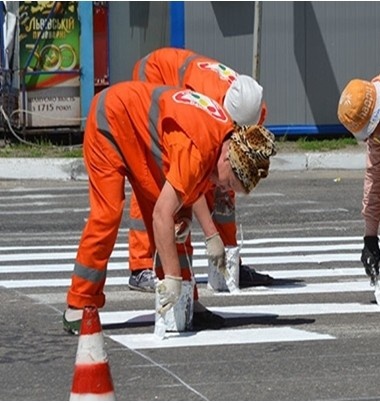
x=169, y=291
x=216, y=252
x=182, y=229
x=371, y=257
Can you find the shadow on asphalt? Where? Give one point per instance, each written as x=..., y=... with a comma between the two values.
x=280, y=283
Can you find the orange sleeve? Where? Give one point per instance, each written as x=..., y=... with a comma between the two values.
x=185, y=173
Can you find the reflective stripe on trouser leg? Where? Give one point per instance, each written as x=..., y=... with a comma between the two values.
x=140, y=253
x=106, y=173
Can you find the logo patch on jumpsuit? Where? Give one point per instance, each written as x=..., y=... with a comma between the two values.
x=201, y=101
x=224, y=72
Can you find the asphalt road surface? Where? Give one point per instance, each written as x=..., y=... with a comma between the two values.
x=314, y=335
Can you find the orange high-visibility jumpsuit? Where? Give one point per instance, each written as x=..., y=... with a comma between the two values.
x=149, y=134
x=183, y=68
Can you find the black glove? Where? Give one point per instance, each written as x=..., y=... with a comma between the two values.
x=371, y=256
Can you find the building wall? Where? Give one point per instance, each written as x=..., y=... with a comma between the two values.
x=309, y=50
x=136, y=28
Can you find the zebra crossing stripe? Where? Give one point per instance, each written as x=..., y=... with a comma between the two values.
x=233, y=336
x=147, y=315
x=299, y=288
x=199, y=277
x=273, y=259
x=217, y=337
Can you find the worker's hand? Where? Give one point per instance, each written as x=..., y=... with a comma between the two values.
x=169, y=291
x=216, y=252
x=371, y=256
x=182, y=229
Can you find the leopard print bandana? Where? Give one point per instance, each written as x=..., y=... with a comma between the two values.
x=249, y=151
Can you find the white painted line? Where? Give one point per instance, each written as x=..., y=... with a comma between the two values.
x=50, y=189
x=199, y=277
x=298, y=248
x=243, y=311
x=326, y=210
x=299, y=274
x=31, y=196
x=54, y=268
x=303, y=288
x=246, y=242
x=319, y=258
x=296, y=309
x=30, y=205
x=315, y=273
x=299, y=288
x=73, y=247
x=303, y=239
x=13, y=257
x=16, y=257
x=51, y=211
x=219, y=337
x=276, y=203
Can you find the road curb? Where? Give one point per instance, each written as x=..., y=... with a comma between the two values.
x=74, y=169
x=315, y=161
x=42, y=168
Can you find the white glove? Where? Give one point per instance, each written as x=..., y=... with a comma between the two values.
x=182, y=229
x=216, y=252
x=169, y=291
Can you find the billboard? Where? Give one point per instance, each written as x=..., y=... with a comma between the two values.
x=49, y=35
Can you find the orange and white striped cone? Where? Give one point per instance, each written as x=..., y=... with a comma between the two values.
x=92, y=375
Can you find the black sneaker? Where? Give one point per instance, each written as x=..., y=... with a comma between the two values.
x=249, y=277
x=207, y=320
x=142, y=280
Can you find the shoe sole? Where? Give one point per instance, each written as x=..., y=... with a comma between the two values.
x=135, y=288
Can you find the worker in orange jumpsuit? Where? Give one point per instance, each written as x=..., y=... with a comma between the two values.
x=171, y=144
x=242, y=97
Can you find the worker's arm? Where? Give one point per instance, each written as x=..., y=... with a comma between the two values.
x=168, y=203
x=214, y=244
x=169, y=289
x=203, y=215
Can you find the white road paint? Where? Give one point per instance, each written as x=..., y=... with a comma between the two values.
x=302, y=249
x=197, y=252
x=259, y=241
x=199, y=277
x=246, y=311
x=297, y=288
x=317, y=258
x=281, y=259
x=29, y=211
x=16, y=257
x=219, y=337
x=303, y=288
x=325, y=210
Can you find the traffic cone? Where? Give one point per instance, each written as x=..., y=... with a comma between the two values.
x=92, y=375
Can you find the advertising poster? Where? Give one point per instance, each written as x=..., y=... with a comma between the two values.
x=49, y=54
